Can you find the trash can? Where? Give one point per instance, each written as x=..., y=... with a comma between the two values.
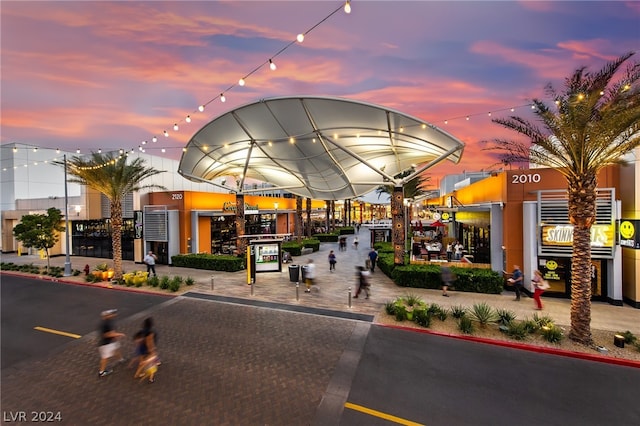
x=304, y=273
x=294, y=273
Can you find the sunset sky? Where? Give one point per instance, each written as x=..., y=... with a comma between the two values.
x=89, y=75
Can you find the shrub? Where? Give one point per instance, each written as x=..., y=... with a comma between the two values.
x=429, y=276
x=505, y=316
x=175, y=283
x=153, y=281
x=213, y=262
x=189, y=281
x=637, y=345
x=483, y=313
x=542, y=321
x=434, y=309
x=530, y=326
x=390, y=308
x=465, y=325
x=294, y=249
x=551, y=333
x=443, y=314
x=344, y=230
x=517, y=330
x=422, y=318
x=458, y=311
x=311, y=243
x=326, y=238
x=165, y=282
x=400, y=312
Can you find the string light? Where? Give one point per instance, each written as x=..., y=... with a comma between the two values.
x=241, y=82
x=222, y=98
x=166, y=134
x=175, y=127
x=154, y=139
x=188, y=119
x=300, y=38
x=201, y=108
x=347, y=7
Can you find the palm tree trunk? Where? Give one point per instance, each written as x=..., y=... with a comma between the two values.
x=582, y=214
x=308, y=217
x=298, y=218
x=116, y=237
x=397, y=225
x=241, y=243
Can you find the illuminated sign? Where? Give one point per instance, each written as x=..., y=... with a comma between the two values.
x=629, y=237
x=562, y=235
x=230, y=206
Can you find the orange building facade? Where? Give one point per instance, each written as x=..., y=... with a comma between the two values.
x=519, y=217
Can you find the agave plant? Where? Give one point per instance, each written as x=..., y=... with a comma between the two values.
x=483, y=313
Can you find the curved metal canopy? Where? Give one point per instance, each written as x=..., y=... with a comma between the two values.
x=317, y=147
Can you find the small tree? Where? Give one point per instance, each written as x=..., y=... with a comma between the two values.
x=40, y=230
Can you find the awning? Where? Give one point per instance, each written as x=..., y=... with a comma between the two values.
x=317, y=147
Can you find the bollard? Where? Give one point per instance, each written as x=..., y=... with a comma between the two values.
x=211, y=282
x=297, y=291
x=252, y=280
x=349, y=296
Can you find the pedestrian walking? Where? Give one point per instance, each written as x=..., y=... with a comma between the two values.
x=109, y=344
x=540, y=285
x=332, y=261
x=362, y=278
x=310, y=274
x=373, y=257
x=150, y=260
x=447, y=278
x=449, y=251
x=355, y=242
x=516, y=281
x=458, y=249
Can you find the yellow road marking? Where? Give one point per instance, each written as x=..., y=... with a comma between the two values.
x=381, y=415
x=61, y=333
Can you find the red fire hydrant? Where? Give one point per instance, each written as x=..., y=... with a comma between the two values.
x=87, y=269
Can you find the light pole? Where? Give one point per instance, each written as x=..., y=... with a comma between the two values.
x=67, y=261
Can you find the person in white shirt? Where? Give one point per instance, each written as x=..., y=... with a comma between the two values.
x=150, y=260
x=310, y=274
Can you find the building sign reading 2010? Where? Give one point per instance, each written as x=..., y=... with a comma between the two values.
x=525, y=178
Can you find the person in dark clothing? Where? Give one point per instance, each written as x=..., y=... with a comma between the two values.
x=517, y=281
x=362, y=277
x=373, y=257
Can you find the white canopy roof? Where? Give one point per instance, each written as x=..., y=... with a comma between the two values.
x=318, y=147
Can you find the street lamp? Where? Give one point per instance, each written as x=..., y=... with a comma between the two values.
x=67, y=261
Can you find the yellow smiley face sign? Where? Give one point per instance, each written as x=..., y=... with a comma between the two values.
x=551, y=265
x=446, y=216
x=627, y=230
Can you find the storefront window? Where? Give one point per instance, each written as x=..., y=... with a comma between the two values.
x=92, y=238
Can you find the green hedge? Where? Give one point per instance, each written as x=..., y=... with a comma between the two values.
x=346, y=230
x=326, y=238
x=477, y=280
x=213, y=262
x=295, y=249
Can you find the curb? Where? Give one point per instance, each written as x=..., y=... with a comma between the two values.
x=92, y=285
x=524, y=347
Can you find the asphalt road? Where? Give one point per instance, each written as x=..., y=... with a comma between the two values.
x=227, y=363
x=27, y=303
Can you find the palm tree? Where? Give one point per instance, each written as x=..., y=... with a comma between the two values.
x=595, y=122
x=298, y=226
x=111, y=175
x=411, y=189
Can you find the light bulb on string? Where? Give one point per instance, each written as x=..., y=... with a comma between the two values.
x=347, y=7
x=78, y=151
x=154, y=139
x=272, y=65
x=144, y=142
x=241, y=82
x=300, y=38
x=188, y=119
x=175, y=127
x=223, y=98
x=99, y=150
x=166, y=134
x=201, y=108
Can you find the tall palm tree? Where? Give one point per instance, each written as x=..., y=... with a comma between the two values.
x=595, y=121
x=111, y=175
x=411, y=189
x=298, y=225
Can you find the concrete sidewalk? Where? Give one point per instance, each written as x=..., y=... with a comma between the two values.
x=333, y=288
